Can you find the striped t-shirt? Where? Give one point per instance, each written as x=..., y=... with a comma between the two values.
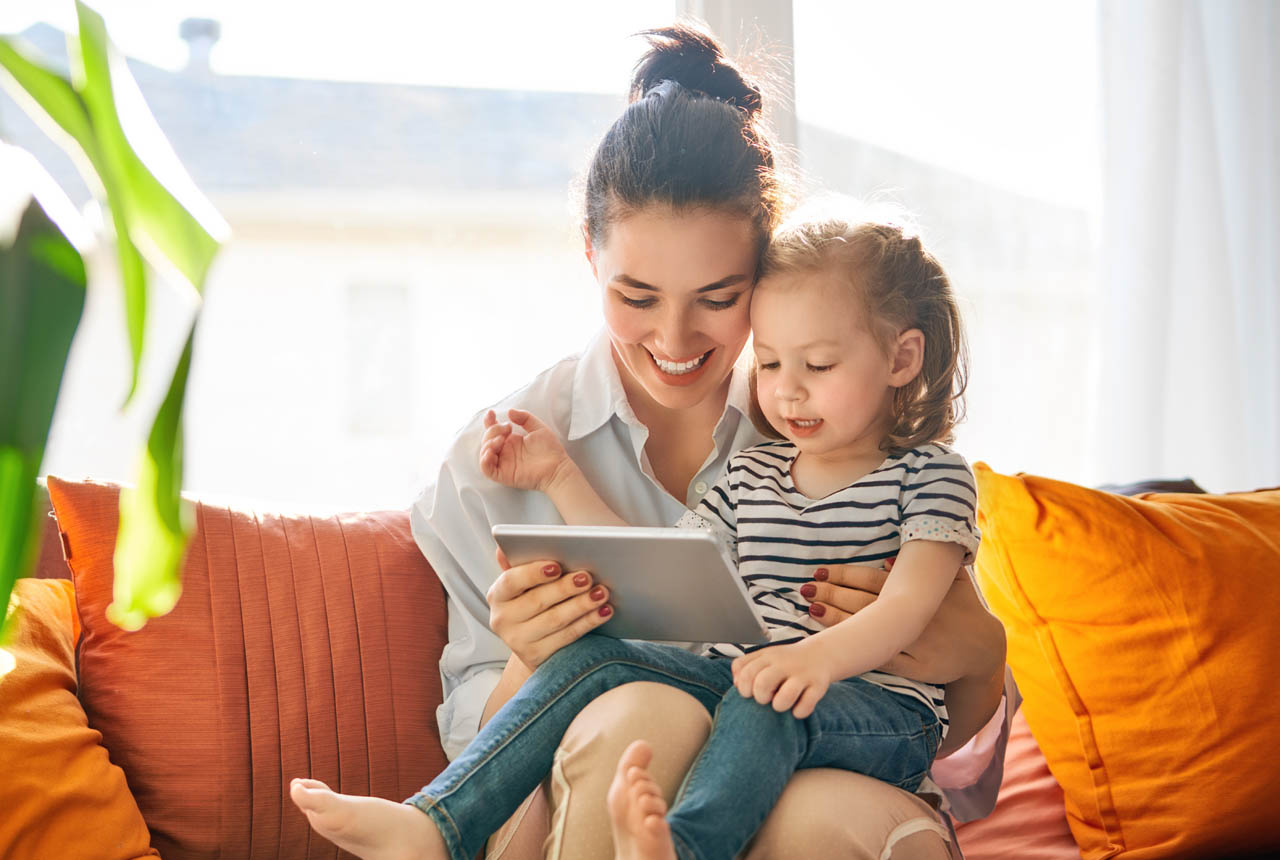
x=777, y=535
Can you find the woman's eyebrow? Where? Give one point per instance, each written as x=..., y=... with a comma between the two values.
x=727, y=281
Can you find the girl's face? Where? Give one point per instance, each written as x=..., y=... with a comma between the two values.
x=677, y=288
x=823, y=379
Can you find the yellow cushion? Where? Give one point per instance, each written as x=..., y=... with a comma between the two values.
x=60, y=795
x=1143, y=634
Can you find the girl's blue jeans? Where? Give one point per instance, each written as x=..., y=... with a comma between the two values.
x=747, y=760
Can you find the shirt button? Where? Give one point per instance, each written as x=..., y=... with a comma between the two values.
x=700, y=488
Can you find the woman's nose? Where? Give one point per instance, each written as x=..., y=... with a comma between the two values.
x=675, y=335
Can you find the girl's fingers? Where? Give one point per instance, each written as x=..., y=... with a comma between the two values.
x=788, y=694
x=808, y=701
x=490, y=418
x=527, y=420
x=766, y=684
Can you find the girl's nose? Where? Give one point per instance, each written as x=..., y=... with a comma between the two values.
x=788, y=387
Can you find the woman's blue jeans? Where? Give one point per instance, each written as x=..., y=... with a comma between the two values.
x=736, y=779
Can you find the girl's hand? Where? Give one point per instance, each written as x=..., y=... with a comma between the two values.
x=536, y=610
x=793, y=677
x=962, y=640
x=526, y=461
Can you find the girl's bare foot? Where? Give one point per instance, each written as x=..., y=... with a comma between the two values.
x=637, y=810
x=372, y=828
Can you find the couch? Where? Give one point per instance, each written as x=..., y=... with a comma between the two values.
x=308, y=645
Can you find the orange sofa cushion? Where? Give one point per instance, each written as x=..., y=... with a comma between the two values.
x=60, y=795
x=301, y=646
x=1141, y=633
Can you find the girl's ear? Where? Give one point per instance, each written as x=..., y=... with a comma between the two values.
x=908, y=357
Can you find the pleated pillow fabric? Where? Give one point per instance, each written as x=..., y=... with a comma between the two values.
x=301, y=646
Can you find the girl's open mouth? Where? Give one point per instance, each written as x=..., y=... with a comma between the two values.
x=805, y=427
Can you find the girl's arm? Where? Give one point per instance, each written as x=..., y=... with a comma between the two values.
x=577, y=501
x=920, y=579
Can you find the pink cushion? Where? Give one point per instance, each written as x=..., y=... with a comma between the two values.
x=1029, y=821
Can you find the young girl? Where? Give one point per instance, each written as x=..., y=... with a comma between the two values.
x=860, y=369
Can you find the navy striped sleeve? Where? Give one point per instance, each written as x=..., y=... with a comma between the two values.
x=939, y=499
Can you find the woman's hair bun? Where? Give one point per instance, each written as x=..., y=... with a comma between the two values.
x=696, y=61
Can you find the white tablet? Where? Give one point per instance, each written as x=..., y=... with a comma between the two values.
x=665, y=584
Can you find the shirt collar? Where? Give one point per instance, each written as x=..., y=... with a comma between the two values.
x=598, y=394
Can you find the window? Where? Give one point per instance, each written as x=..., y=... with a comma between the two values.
x=980, y=119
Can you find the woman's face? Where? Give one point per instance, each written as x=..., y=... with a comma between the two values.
x=677, y=290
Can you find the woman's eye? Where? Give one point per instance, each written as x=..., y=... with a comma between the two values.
x=820, y=368
x=724, y=304
x=636, y=303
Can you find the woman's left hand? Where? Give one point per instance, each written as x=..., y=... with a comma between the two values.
x=962, y=639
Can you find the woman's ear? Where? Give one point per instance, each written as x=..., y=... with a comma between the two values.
x=590, y=251
x=908, y=357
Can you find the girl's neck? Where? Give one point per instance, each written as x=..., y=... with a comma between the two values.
x=821, y=474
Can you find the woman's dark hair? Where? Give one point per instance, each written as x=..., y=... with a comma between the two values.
x=690, y=138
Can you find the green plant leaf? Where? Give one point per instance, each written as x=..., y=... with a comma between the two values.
x=158, y=216
x=175, y=220
x=155, y=521
x=33, y=85
x=42, y=292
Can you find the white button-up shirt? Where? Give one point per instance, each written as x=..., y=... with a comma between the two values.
x=581, y=398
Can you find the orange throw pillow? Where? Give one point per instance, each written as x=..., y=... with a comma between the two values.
x=1141, y=634
x=60, y=795
x=301, y=646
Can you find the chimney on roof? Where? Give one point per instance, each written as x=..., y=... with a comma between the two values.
x=200, y=35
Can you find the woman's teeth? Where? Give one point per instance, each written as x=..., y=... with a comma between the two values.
x=677, y=368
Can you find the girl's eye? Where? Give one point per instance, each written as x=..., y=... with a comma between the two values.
x=768, y=365
x=722, y=305
x=820, y=368
x=636, y=303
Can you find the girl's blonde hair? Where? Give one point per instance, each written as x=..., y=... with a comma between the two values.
x=902, y=286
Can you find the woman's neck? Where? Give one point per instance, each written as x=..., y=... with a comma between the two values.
x=680, y=440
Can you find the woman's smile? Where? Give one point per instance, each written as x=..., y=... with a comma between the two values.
x=680, y=372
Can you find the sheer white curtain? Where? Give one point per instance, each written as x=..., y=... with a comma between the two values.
x=1190, y=281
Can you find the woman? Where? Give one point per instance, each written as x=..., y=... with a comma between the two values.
x=680, y=200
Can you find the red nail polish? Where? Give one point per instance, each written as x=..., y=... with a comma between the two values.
x=808, y=590
x=605, y=611
x=597, y=593
x=821, y=574
x=581, y=579
x=817, y=610
x=551, y=569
